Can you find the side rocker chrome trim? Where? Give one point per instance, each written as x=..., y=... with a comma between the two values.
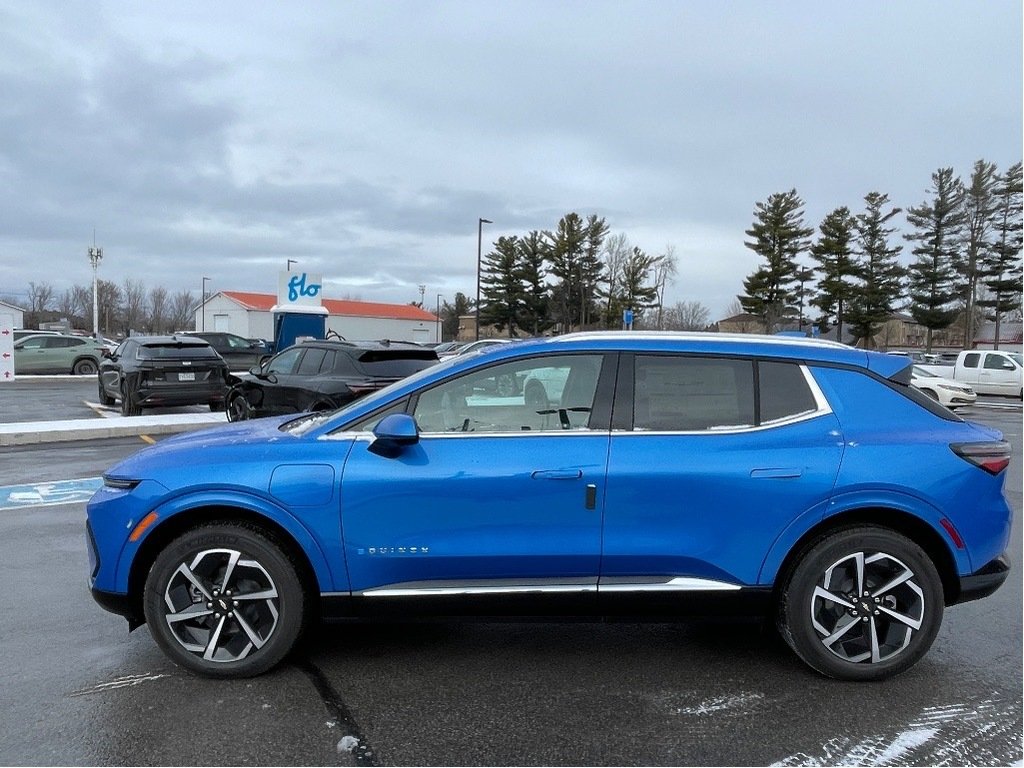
x=613, y=584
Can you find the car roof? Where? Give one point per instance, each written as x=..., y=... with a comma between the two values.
x=162, y=340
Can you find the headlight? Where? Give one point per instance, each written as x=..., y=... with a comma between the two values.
x=951, y=388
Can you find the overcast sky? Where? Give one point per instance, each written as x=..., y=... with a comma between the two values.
x=365, y=139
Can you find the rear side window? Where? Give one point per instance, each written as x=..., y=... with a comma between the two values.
x=685, y=394
x=395, y=363
x=175, y=352
x=971, y=360
x=311, y=362
x=783, y=391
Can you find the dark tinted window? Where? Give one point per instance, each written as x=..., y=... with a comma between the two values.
x=285, y=362
x=683, y=394
x=997, y=363
x=174, y=351
x=971, y=360
x=398, y=363
x=311, y=361
x=328, y=364
x=343, y=365
x=784, y=391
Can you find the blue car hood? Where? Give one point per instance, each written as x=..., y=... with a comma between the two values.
x=188, y=449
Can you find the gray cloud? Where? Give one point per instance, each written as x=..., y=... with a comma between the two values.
x=365, y=139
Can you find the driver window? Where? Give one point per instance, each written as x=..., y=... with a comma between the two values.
x=551, y=393
x=285, y=362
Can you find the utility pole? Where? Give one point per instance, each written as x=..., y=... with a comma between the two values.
x=95, y=257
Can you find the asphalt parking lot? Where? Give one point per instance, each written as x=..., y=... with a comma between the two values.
x=78, y=689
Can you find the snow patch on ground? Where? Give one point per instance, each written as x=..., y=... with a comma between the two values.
x=348, y=744
x=735, y=703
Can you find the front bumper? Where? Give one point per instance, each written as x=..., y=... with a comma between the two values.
x=984, y=581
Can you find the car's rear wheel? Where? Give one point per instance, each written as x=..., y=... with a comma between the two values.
x=105, y=399
x=238, y=407
x=128, y=405
x=535, y=396
x=216, y=405
x=862, y=603
x=224, y=600
x=85, y=367
x=323, y=405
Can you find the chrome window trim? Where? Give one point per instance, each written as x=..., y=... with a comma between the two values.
x=822, y=408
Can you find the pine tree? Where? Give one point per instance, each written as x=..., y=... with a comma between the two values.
x=637, y=292
x=979, y=209
x=1001, y=264
x=532, y=260
x=565, y=250
x=502, y=291
x=938, y=231
x=880, y=287
x=450, y=314
x=591, y=268
x=836, y=267
x=778, y=237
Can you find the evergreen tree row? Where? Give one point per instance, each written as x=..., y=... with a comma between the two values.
x=965, y=243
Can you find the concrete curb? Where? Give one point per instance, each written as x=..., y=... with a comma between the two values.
x=35, y=432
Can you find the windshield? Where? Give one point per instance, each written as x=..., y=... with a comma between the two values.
x=1018, y=358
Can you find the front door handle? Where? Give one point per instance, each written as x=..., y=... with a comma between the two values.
x=775, y=472
x=557, y=474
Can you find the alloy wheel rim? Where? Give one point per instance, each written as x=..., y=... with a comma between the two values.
x=221, y=606
x=867, y=607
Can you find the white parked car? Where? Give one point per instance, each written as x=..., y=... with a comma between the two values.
x=952, y=394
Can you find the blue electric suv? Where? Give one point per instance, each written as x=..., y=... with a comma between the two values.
x=627, y=475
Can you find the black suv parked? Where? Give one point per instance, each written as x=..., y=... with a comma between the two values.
x=149, y=371
x=239, y=353
x=323, y=375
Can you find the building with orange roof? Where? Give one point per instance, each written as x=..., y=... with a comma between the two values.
x=250, y=315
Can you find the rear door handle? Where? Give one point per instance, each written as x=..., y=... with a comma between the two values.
x=557, y=474
x=775, y=472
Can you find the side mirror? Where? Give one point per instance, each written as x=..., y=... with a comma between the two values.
x=256, y=370
x=393, y=433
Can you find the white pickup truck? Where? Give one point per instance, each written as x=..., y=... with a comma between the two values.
x=988, y=372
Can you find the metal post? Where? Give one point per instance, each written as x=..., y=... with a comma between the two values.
x=203, y=328
x=438, y=313
x=95, y=257
x=479, y=251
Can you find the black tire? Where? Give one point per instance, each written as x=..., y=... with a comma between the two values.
x=216, y=405
x=506, y=386
x=128, y=404
x=323, y=405
x=85, y=367
x=807, y=618
x=536, y=396
x=105, y=399
x=225, y=635
x=238, y=408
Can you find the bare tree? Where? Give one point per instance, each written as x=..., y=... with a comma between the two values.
x=685, y=316
x=665, y=269
x=616, y=251
x=40, y=297
x=134, y=305
x=181, y=311
x=158, y=307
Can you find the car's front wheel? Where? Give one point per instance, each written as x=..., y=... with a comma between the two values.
x=224, y=600
x=238, y=407
x=862, y=603
x=105, y=399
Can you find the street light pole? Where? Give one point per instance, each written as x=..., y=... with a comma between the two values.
x=95, y=257
x=290, y=262
x=438, y=313
x=203, y=328
x=479, y=249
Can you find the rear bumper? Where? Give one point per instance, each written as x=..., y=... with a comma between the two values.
x=984, y=581
x=177, y=394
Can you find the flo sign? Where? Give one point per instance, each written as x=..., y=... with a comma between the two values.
x=298, y=289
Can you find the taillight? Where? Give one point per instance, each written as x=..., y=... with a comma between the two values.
x=993, y=457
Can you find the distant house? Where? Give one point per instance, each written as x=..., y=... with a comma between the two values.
x=16, y=312
x=1011, y=336
x=741, y=323
x=248, y=314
